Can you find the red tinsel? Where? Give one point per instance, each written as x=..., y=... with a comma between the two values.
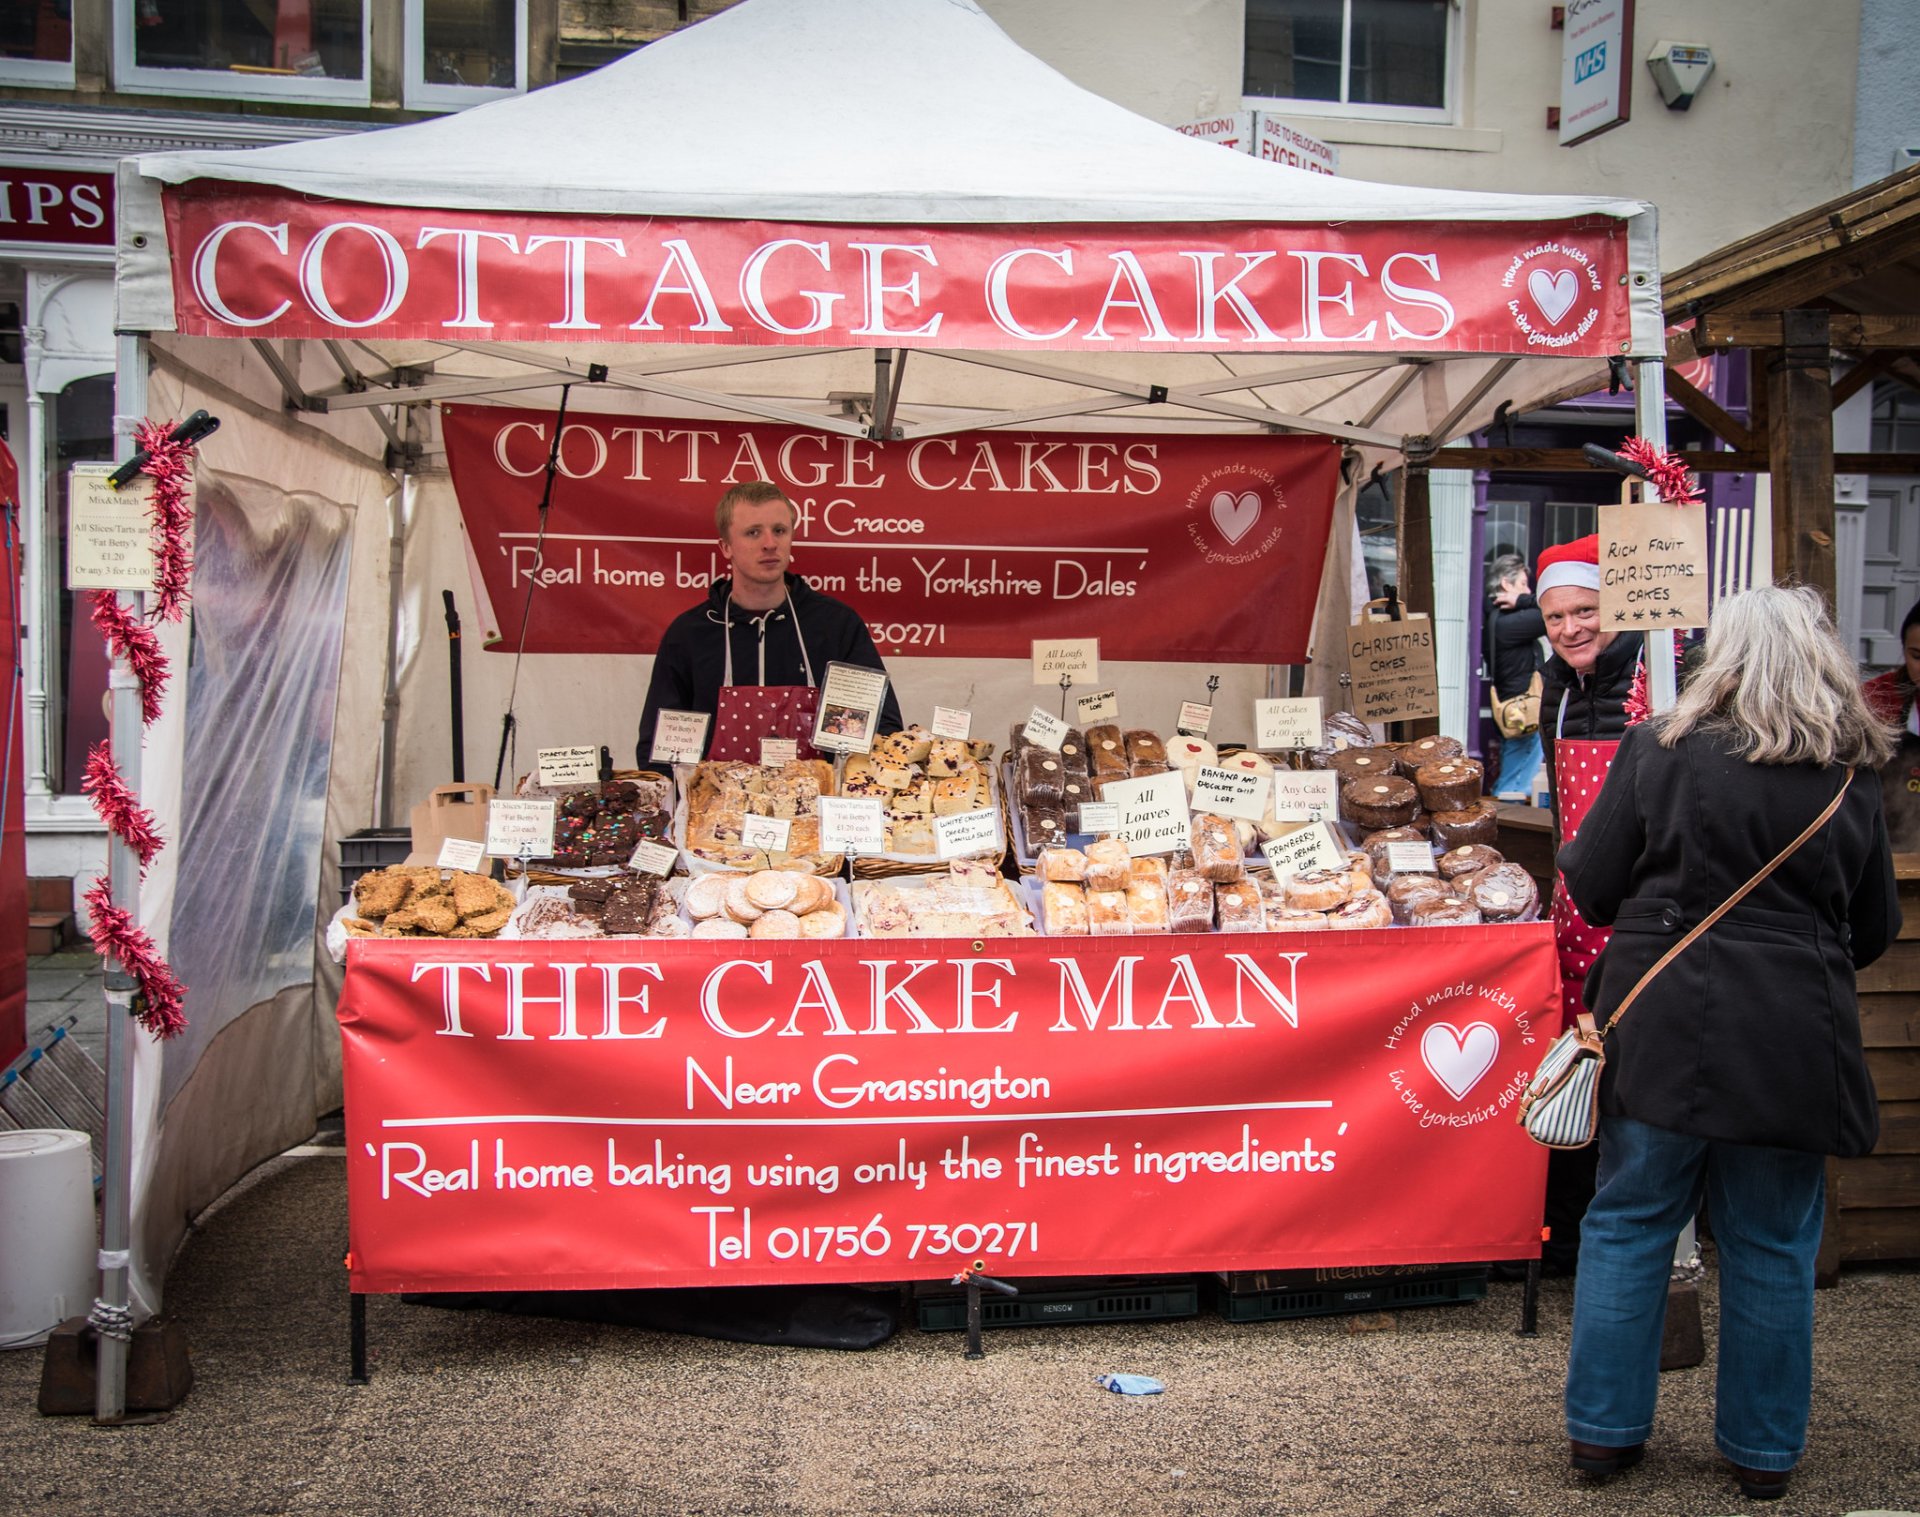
x=118, y=806
x=1671, y=479
x=132, y=639
x=117, y=936
x=1639, y=699
x=170, y=464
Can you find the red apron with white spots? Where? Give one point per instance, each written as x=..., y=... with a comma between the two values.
x=1579, y=770
x=747, y=713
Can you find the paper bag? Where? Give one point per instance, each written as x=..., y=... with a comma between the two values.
x=449, y=811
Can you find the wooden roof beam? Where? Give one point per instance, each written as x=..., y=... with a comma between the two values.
x=1850, y=332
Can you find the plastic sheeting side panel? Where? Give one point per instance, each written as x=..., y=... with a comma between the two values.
x=270, y=586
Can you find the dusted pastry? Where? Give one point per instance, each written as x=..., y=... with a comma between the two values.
x=1067, y=864
x=1238, y=908
x=1216, y=849
x=1478, y=823
x=1063, y=910
x=1468, y=858
x=1109, y=865
x=1450, y=785
x=1379, y=802
x=1189, y=901
x=946, y=757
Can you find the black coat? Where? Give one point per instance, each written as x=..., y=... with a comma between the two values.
x=1516, y=647
x=690, y=666
x=1753, y=1034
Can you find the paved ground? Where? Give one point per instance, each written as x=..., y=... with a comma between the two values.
x=1435, y=1411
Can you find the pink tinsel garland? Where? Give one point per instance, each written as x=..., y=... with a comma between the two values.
x=170, y=465
x=1672, y=481
x=118, y=806
x=132, y=639
x=117, y=936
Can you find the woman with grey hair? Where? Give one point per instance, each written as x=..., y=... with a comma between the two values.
x=1740, y=1067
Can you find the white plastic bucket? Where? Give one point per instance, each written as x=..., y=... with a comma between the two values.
x=47, y=1237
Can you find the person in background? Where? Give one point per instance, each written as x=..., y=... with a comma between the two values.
x=1890, y=695
x=1583, y=715
x=1740, y=1067
x=1517, y=628
x=753, y=653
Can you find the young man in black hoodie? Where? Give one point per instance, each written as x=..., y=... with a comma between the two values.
x=761, y=626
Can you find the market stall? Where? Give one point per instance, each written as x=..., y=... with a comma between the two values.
x=1022, y=254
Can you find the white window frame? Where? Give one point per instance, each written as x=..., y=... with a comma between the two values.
x=419, y=95
x=1444, y=115
x=296, y=89
x=37, y=73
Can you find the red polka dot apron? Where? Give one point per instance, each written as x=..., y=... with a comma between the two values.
x=747, y=713
x=1579, y=770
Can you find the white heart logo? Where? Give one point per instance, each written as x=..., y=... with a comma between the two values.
x=1235, y=517
x=1459, y=1058
x=1553, y=293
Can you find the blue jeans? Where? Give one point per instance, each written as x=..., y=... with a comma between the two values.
x=1520, y=760
x=1766, y=1206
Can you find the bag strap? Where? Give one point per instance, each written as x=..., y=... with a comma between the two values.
x=1586, y=1018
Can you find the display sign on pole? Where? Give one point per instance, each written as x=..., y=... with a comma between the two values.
x=1305, y=795
x=680, y=737
x=1596, y=74
x=966, y=834
x=1305, y=848
x=1293, y=722
x=852, y=824
x=1153, y=813
x=109, y=531
x=1653, y=566
x=1055, y=660
x=568, y=766
x=1101, y=706
x=948, y=721
x=850, y=702
x=1393, y=671
x=1231, y=792
x=519, y=828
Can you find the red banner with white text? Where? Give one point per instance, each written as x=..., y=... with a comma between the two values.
x=255, y=262
x=1180, y=547
x=605, y=1115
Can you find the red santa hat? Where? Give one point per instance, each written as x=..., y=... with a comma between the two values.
x=1576, y=563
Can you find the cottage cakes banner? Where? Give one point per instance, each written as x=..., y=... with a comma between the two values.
x=1165, y=548
x=604, y=1115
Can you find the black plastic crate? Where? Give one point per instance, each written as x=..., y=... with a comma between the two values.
x=369, y=849
x=1047, y=1302
x=1321, y=1293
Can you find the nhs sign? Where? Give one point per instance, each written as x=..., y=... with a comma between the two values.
x=1595, y=84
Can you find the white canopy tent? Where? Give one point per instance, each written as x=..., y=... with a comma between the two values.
x=983, y=245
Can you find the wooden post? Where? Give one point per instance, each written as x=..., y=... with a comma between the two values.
x=1413, y=529
x=1800, y=449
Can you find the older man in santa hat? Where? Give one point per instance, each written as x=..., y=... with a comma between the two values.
x=1583, y=716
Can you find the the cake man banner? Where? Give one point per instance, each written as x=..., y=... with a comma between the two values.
x=595, y=1115
x=968, y=545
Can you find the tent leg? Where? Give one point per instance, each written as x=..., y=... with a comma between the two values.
x=357, y=1337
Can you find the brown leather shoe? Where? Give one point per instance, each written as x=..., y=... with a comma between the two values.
x=1762, y=1485
x=1599, y=1459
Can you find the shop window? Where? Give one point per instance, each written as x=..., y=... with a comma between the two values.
x=1568, y=519
x=463, y=52
x=1505, y=530
x=36, y=43
x=1373, y=515
x=1896, y=418
x=285, y=51
x=1387, y=59
x=81, y=418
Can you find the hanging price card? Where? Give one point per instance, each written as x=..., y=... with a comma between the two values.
x=948, y=722
x=1293, y=723
x=852, y=822
x=680, y=737
x=1310, y=847
x=1101, y=706
x=652, y=858
x=519, y=827
x=1231, y=792
x=462, y=853
x=1305, y=795
x=1054, y=660
x=569, y=766
x=768, y=832
x=109, y=531
x=1046, y=729
x=965, y=834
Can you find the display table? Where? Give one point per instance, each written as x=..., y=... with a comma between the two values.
x=596, y=1115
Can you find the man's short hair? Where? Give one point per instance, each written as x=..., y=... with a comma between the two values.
x=752, y=492
x=1503, y=569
